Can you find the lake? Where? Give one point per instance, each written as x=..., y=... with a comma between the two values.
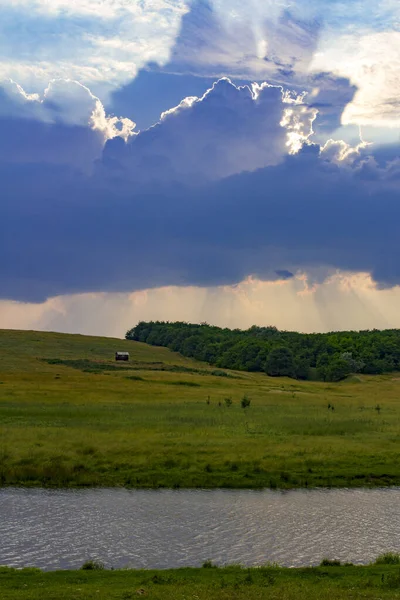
x=174, y=528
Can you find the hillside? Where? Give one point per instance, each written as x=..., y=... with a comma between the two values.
x=71, y=416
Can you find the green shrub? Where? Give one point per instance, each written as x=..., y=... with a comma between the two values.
x=92, y=565
x=391, y=580
x=326, y=562
x=218, y=373
x=208, y=564
x=389, y=558
x=245, y=402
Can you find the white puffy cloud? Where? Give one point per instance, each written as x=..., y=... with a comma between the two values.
x=250, y=40
x=67, y=124
x=103, y=43
x=229, y=130
x=372, y=63
x=106, y=9
x=100, y=43
x=292, y=42
x=338, y=151
x=63, y=101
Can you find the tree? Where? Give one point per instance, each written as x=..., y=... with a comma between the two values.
x=280, y=363
x=322, y=365
x=333, y=355
x=337, y=370
x=354, y=365
x=302, y=368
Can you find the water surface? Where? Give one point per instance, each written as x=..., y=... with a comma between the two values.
x=168, y=529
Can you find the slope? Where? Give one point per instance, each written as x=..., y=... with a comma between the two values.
x=71, y=416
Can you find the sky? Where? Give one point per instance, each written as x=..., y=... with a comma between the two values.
x=202, y=160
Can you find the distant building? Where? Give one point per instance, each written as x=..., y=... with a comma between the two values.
x=122, y=356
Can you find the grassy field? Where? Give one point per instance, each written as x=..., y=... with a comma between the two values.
x=230, y=583
x=71, y=416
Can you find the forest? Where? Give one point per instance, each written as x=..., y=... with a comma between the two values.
x=316, y=356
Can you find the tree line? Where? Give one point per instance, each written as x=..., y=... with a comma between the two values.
x=318, y=356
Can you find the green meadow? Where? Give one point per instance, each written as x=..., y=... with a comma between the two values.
x=71, y=416
x=230, y=583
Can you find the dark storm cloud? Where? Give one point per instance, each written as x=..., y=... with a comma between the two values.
x=207, y=48
x=156, y=210
x=283, y=274
x=329, y=95
x=228, y=131
x=53, y=128
x=29, y=141
x=302, y=214
x=152, y=92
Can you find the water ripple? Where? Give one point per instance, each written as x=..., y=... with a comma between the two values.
x=175, y=528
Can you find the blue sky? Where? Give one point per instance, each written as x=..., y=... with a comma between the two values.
x=196, y=146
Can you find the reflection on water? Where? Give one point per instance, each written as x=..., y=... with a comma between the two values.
x=167, y=529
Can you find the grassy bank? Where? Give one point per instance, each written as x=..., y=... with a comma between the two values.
x=233, y=583
x=71, y=416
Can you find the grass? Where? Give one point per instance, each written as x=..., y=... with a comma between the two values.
x=229, y=583
x=389, y=558
x=69, y=416
x=91, y=366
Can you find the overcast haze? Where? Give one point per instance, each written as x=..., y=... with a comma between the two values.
x=202, y=160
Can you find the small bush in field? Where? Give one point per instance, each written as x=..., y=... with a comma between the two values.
x=208, y=564
x=92, y=565
x=245, y=402
x=389, y=558
x=326, y=562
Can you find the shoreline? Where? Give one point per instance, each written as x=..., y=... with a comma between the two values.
x=358, y=484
